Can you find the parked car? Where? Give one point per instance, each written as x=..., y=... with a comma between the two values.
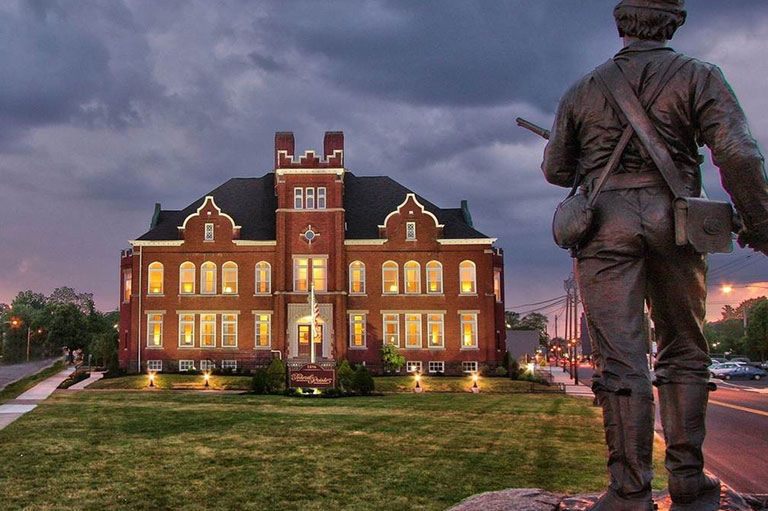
x=744, y=372
x=719, y=360
x=720, y=369
x=746, y=360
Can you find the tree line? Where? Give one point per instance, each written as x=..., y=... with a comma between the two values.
x=743, y=330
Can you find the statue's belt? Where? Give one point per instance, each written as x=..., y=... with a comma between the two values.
x=630, y=180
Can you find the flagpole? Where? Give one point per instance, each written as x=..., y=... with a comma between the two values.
x=312, y=324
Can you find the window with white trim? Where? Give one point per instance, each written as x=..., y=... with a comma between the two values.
x=187, y=278
x=321, y=198
x=208, y=278
x=467, y=278
x=391, y=329
x=186, y=330
x=208, y=236
x=434, y=277
x=301, y=274
x=127, y=285
x=207, y=330
x=309, y=198
x=413, y=366
x=468, y=330
x=436, y=366
x=356, y=278
x=263, y=330
x=357, y=330
x=412, y=275
x=229, y=364
x=298, y=198
x=229, y=330
x=413, y=330
x=155, y=278
x=319, y=273
x=154, y=330
x=229, y=278
x=263, y=278
x=389, y=278
x=469, y=366
x=154, y=365
x=410, y=231
x=186, y=365
x=207, y=365
x=497, y=284
x=435, y=328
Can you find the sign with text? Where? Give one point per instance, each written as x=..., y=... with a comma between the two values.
x=313, y=376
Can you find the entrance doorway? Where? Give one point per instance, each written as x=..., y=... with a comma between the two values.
x=304, y=334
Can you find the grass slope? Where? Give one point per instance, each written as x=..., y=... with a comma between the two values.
x=171, y=450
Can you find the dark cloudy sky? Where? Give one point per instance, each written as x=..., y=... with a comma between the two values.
x=109, y=106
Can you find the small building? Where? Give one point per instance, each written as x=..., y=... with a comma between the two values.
x=224, y=281
x=522, y=342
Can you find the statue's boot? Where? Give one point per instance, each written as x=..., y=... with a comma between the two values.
x=628, y=420
x=683, y=413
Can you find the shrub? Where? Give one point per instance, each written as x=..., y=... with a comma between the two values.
x=345, y=375
x=260, y=383
x=501, y=371
x=332, y=392
x=362, y=382
x=391, y=358
x=514, y=369
x=276, y=376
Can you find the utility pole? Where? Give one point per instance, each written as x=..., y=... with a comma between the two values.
x=571, y=323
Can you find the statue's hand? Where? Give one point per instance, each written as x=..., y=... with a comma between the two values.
x=749, y=239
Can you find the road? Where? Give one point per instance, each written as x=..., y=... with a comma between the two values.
x=11, y=373
x=736, y=448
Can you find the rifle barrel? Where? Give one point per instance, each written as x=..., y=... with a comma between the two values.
x=543, y=133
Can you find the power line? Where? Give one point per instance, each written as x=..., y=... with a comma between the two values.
x=511, y=307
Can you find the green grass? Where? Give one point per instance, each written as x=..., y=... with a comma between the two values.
x=17, y=388
x=170, y=381
x=191, y=450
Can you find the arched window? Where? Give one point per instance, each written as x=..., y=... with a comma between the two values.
x=155, y=277
x=389, y=278
x=263, y=278
x=412, y=275
x=434, y=277
x=229, y=278
x=357, y=277
x=467, y=278
x=208, y=278
x=187, y=278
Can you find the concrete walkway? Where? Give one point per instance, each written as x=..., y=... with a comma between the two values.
x=82, y=384
x=27, y=402
x=15, y=372
x=559, y=375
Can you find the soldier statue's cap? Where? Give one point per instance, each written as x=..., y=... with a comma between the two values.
x=659, y=5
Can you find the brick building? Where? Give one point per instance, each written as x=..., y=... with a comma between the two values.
x=225, y=280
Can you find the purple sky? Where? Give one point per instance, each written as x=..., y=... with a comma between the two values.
x=108, y=107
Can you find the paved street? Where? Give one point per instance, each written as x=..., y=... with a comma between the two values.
x=11, y=373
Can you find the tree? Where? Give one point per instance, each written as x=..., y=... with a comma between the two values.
x=532, y=321
x=756, y=338
x=725, y=335
x=345, y=375
x=391, y=358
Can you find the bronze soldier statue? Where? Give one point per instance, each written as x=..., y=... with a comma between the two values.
x=631, y=256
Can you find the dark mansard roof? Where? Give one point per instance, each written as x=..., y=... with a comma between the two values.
x=251, y=202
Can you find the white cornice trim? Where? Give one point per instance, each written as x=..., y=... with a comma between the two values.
x=218, y=210
x=467, y=241
x=158, y=243
x=309, y=171
x=419, y=204
x=255, y=243
x=365, y=242
x=316, y=210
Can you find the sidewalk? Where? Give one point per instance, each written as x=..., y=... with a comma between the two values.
x=27, y=401
x=15, y=372
x=559, y=375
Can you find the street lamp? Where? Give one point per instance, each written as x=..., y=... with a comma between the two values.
x=16, y=322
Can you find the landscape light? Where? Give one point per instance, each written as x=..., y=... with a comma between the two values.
x=417, y=377
x=475, y=388
x=151, y=378
x=531, y=366
x=207, y=376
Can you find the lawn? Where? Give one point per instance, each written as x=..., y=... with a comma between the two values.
x=17, y=388
x=191, y=450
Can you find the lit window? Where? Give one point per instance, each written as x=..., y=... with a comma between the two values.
x=413, y=330
x=410, y=231
x=497, y=284
x=469, y=330
x=436, y=366
x=413, y=366
x=207, y=365
x=298, y=198
x=127, y=285
x=357, y=330
x=208, y=232
x=392, y=329
x=186, y=330
x=320, y=273
x=229, y=364
x=301, y=274
x=389, y=277
x=208, y=330
x=469, y=366
x=155, y=278
x=186, y=365
x=434, y=277
x=229, y=278
x=310, y=198
x=263, y=330
x=187, y=278
x=263, y=278
x=412, y=274
x=154, y=365
x=467, y=278
x=321, y=198
x=208, y=278
x=435, y=330
x=154, y=330
x=229, y=330
x=357, y=278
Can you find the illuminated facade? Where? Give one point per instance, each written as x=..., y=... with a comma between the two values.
x=224, y=282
